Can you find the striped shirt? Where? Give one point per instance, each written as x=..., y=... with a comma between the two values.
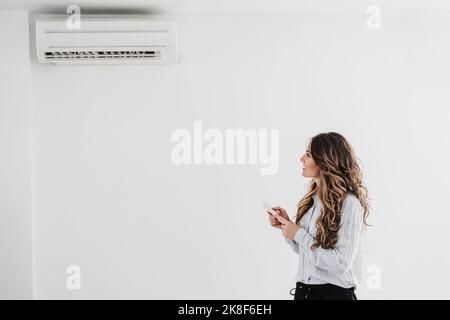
x=342, y=265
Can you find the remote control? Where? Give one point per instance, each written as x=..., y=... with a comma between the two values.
x=268, y=208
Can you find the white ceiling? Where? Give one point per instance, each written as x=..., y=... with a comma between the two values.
x=234, y=6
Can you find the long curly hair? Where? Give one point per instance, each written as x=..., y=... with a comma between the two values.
x=339, y=174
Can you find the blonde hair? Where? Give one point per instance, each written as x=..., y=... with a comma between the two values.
x=339, y=174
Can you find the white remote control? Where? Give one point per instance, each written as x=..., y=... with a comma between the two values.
x=268, y=207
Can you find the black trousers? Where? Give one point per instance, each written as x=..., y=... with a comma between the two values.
x=322, y=292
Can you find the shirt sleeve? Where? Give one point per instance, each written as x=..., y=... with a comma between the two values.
x=342, y=256
x=293, y=245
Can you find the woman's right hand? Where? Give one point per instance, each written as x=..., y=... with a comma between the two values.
x=274, y=221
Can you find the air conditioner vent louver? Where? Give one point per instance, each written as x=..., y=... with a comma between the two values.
x=107, y=39
x=103, y=55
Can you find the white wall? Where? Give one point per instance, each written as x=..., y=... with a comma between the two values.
x=15, y=158
x=109, y=199
x=106, y=196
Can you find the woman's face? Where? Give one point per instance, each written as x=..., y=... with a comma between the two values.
x=310, y=169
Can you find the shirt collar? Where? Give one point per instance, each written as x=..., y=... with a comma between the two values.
x=316, y=198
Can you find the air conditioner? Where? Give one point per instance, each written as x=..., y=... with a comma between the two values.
x=106, y=39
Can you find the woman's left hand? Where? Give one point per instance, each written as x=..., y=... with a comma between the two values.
x=288, y=227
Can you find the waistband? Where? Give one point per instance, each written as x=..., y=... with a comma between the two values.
x=323, y=287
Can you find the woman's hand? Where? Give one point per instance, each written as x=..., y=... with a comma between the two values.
x=282, y=221
x=273, y=221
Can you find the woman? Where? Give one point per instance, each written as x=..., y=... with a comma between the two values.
x=329, y=223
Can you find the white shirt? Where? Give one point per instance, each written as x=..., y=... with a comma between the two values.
x=341, y=266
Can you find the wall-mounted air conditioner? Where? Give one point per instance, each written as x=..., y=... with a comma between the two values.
x=106, y=39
